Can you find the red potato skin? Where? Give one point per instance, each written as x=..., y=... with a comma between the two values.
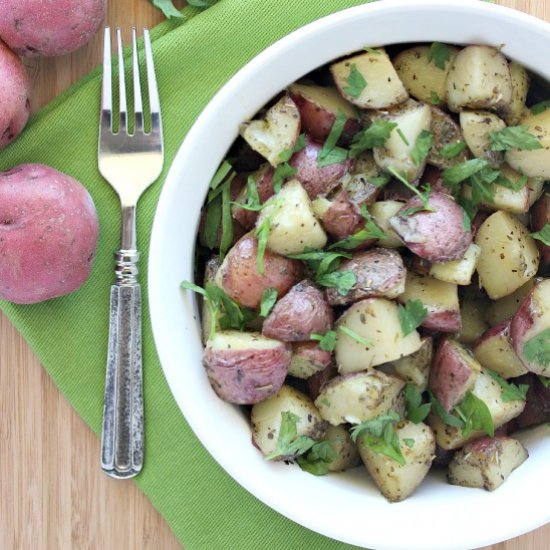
x=301, y=312
x=537, y=405
x=246, y=376
x=317, y=121
x=49, y=28
x=15, y=103
x=540, y=216
x=449, y=374
x=437, y=236
x=377, y=271
x=310, y=351
x=315, y=383
x=48, y=234
x=316, y=180
x=264, y=185
x=443, y=321
x=343, y=218
x=242, y=282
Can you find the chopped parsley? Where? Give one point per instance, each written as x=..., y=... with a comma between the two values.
x=439, y=54
x=452, y=150
x=402, y=136
x=369, y=231
x=269, y=297
x=513, y=137
x=373, y=136
x=289, y=444
x=317, y=460
x=330, y=153
x=326, y=341
x=434, y=98
x=423, y=195
x=417, y=411
x=422, y=147
x=539, y=108
x=543, y=235
x=537, y=349
x=411, y=315
x=354, y=336
x=509, y=391
x=356, y=82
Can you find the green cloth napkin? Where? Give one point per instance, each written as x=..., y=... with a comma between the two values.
x=205, y=508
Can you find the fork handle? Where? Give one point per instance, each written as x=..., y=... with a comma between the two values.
x=122, y=434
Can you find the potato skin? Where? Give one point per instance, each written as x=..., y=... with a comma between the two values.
x=42, y=27
x=239, y=277
x=379, y=272
x=14, y=95
x=295, y=316
x=540, y=216
x=48, y=234
x=437, y=236
x=308, y=359
x=342, y=218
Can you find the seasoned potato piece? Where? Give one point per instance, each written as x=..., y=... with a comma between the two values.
x=445, y=133
x=239, y=277
x=299, y=313
x=540, y=216
x=537, y=406
x=478, y=78
x=245, y=367
x=315, y=179
x=415, y=368
x=438, y=297
x=475, y=126
x=473, y=321
x=504, y=308
x=293, y=226
x=316, y=382
x=530, y=329
x=319, y=106
x=488, y=390
x=397, y=481
x=308, y=359
x=210, y=270
x=382, y=211
x=516, y=109
x=509, y=256
x=266, y=418
x=423, y=79
x=358, y=397
x=458, y=272
x=357, y=181
x=375, y=320
x=383, y=89
x=495, y=352
x=263, y=177
x=339, y=216
x=486, y=463
x=378, y=273
x=275, y=133
x=437, y=235
x=536, y=162
x=453, y=373
x=411, y=118
x=347, y=453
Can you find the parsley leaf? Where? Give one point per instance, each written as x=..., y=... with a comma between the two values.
x=330, y=153
x=517, y=185
x=452, y=150
x=448, y=418
x=220, y=174
x=424, y=195
x=300, y=144
x=544, y=381
x=537, y=349
x=422, y=147
x=369, y=231
x=411, y=315
x=543, y=235
x=439, y=54
x=379, y=435
x=513, y=137
x=454, y=175
x=227, y=220
x=289, y=444
x=318, y=458
x=212, y=222
x=252, y=200
x=282, y=172
x=269, y=297
x=476, y=415
x=373, y=136
x=326, y=341
x=353, y=335
x=168, y=9
x=416, y=410
x=342, y=281
x=356, y=82
x=539, y=108
x=509, y=391
x=373, y=51
x=434, y=98
x=409, y=442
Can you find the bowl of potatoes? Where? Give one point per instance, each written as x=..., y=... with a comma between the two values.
x=357, y=298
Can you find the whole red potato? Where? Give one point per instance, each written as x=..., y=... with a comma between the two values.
x=14, y=95
x=48, y=234
x=49, y=28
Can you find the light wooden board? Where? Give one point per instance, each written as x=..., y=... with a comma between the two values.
x=52, y=492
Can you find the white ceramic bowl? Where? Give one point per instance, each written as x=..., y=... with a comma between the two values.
x=346, y=506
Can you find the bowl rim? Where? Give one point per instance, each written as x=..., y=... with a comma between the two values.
x=157, y=270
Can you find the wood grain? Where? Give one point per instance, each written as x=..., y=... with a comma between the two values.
x=52, y=492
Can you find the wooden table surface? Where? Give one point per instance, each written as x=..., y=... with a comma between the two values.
x=53, y=494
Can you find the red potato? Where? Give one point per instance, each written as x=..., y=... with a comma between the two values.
x=540, y=216
x=319, y=106
x=240, y=279
x=537, y=406
x=14, y=95
x=437, y=236
x=357, y=181
x=530, y=329
x=339, y=216
x=301, y=312
x=46, y=28
x=316, y=180
x=379, y=272
x=245, y=367
x=453, y=373
x=445, y=132
x=48, y=234
x=317, y=381
x=308, y=359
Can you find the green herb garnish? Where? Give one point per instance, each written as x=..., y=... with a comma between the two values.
x=422, y=147
x=452, y=150
x=330, y=153
x=513, y=137
x=356, y=82
x=269, y=297
x=434, y=98
x=537, y=349
x=475, y=414
x=289, y=444
x=373, y=136
x=402, y=136
x=509, y=391
x=454, y=175
x=439, y=54
x=326, y=341
x=539, y=108
x=543, y=235
x=411, y=315
x=417, y=411
x=354, y=336
x=317, y=460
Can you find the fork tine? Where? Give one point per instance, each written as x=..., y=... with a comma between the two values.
x=138, y=103
x=122, y=84
x=154, y=101
x=106, y=89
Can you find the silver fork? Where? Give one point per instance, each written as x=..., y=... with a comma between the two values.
x=130, y=163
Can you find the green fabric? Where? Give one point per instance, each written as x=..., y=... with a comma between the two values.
x=205, y=508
